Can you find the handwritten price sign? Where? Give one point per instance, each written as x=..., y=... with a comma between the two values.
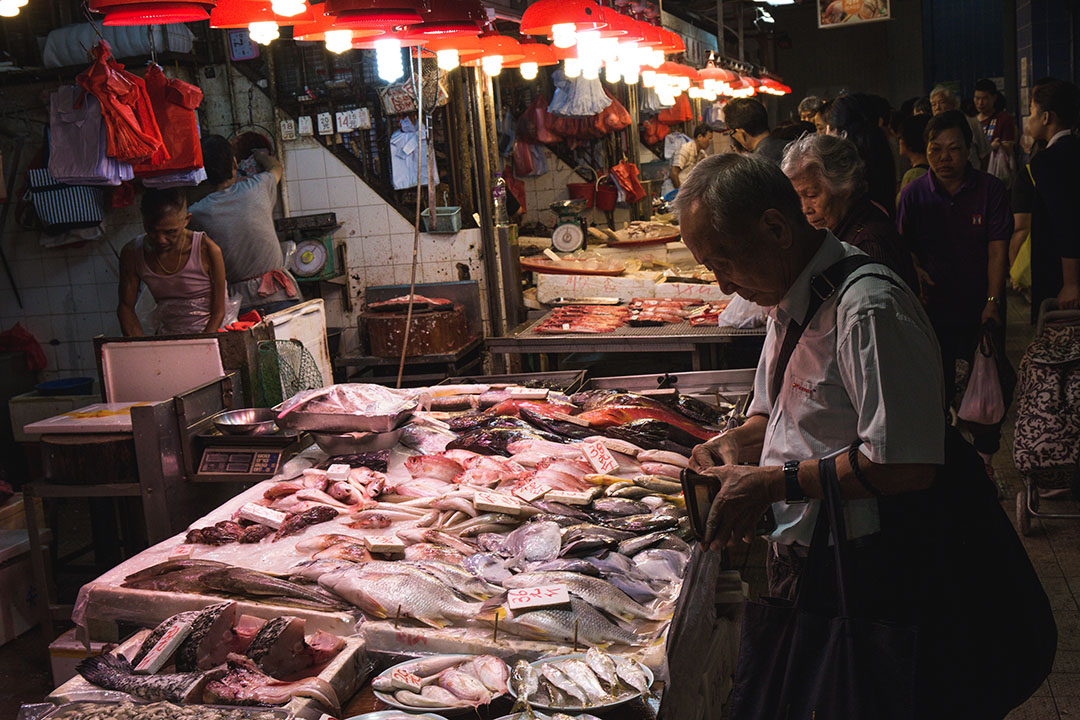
x=493, y=502
x=599, y=457
x=532, y=491
x=405, y=680
x=537, y=597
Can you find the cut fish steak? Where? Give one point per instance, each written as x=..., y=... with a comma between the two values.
x=244, y=684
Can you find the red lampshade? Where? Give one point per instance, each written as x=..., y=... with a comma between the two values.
x=539, y=53
x=316, y=31
x=631, y=29
x=464, y=44
x=772, y=86
x=495, y=44
x=450, y=17
x=149, y=12
x=384, y=14
x=241, y=13
x=671, y=42
x=711, y=72
x=651, y=36
x=751, y=81
x=539, y=17
x=613, y=27
x=368, y=42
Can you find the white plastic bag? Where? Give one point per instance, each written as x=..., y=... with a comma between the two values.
x=983, y=403
x=742, y=314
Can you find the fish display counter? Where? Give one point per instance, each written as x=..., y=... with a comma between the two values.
x=524, y=525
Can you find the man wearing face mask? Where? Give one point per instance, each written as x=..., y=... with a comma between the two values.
x=748, y=126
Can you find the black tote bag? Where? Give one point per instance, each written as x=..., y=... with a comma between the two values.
x=795, y=662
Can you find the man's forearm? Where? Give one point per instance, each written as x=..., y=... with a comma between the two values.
x=1070, y=272
x=998, y=268
x=751, y=437
x=129, y=322
x=885, y=479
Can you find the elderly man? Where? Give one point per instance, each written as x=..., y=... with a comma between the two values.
x=943, y=99
x=830, y=178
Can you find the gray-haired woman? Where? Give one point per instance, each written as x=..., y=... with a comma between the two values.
x=830, y=178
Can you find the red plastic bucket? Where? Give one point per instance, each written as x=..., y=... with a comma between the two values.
x=607, y=195
x=583, y=190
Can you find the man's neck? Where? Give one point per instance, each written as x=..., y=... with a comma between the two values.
x=795, y=264
x=983, y=117
x=1052, y=130
x=755, y=141
x=225, y=185
x=951, y=187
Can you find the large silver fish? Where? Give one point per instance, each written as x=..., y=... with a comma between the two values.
x=420, y=597
x=598, y=593
x=559, y=624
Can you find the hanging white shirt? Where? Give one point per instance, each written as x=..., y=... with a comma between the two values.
x=404, y=145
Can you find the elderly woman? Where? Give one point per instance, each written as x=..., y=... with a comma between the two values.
x=830, y=178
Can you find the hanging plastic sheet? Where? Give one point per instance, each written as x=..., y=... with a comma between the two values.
x=174, y=103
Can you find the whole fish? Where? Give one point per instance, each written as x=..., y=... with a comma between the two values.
x=560, y=624
x=604, y=667
x=466, y=687
x=525, y=681
x=458, y=578
x=573, y=532
x=563, y=428
x=580, y=566
x=697, y=410
x=431, y=696
x=436, y=467
x=255, y=533
x=577, y=469
x=372, y=519
x=496, y=441
x=649, y=522
x=665, y=457
x=619, y=506
x=425, y=439
x=583, y=676
x=321, y=542
x=613, y=563
x=614, y=415
x=115, y=673
x=630, y=492
x=663, y=485
x=655, y=435
x=631, y=674
x=553, y=674
x=421, y=535
x=244, y=684
x=661, y=470
x=352, y=552
x=311, y=570
x=662, y=564
x=172, y=566
x=424, y=599
x=298, y=521
x=534, y=542
x=545, y=447
x=430, y=551
x=489, y=567
x=492, y=672
x=560, y=510
x=251, y=583
x=598, y=593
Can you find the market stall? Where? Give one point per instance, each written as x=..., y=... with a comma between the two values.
x=509, y=521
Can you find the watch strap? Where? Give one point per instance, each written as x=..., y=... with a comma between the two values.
x=793, y=492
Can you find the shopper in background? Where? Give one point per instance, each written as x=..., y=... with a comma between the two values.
x=913, y=148
x=922, y=106
x=999, y=128
x=942, y=99
x=830, y=178
x=957, y=221
x=1055, y=173
x=809, y=106
x=183, y=270
x=748, y=126
x=239, y=213
x=690, y=154
x=821, y=119
x=857, y=121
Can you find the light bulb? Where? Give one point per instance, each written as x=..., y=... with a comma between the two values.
x=630, y=75
x=590, y=72
x=628, y=51
x=388, y=59
x=288, y=8
x=612, y=74
x=683, y=83
x=564, y=35
x=447, y=59
x=666, y=100
x=492, y=64
x=8, y=8
x=338, y=41
x=709, y=95
x=528, y=70
x=656, y=59
x=648, y=78
x=263, y=33
x=609, y=49
x=572, y=68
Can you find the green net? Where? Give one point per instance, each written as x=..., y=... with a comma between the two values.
x=285, y=368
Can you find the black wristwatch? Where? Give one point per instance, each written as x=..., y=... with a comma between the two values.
x=793, y=494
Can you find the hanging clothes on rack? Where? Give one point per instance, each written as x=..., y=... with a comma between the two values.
x=404, y=144
x=77, y=141
x=174, y=103
x=188, y=178
x=132, y=132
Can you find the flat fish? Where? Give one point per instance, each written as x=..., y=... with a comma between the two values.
x=202, y=648
x=535, y=541
x=114, y=673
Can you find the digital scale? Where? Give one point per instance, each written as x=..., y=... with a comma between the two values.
x=244, y=458
x=569, y=234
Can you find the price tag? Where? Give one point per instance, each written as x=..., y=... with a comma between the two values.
x=182, y=552
x=262, y=515
x=532, y=491
x=384, y=544
x=163, y=649
x=599, y=457
x=537, y=597
x=402, y=679
x=303, y=125
x=524, y=393
x=568, y=497
x=288, y=129
x=338, y=472
x=343, y=120
x=570, y=418
x=493, y=502
x=326, y=123
x=361, y=119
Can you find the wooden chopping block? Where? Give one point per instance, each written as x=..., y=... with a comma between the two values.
x=431, y=333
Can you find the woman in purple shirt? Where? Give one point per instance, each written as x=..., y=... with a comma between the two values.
x=957, y=221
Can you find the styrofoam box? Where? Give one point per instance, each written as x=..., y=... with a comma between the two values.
x=67, y=651
x=654, y=253
x=31, y=407
x=626, y=288
x=690, y=291
x=17, y=587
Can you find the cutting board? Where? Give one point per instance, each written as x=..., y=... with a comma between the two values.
x=92, y=419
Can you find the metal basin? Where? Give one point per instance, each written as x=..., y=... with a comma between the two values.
x=568, y=207
x=356, y=442
x=249, y=421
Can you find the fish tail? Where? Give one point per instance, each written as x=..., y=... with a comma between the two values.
x=492, y=611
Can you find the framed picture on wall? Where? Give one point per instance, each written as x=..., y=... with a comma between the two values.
x=844, y=13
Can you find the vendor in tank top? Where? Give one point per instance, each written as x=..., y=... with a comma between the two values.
x=183, y=270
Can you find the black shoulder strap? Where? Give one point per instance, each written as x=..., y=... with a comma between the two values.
x=822, y=287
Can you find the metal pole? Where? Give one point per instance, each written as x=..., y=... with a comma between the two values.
x=739, y=12
x=483, y=142
x=720, y=27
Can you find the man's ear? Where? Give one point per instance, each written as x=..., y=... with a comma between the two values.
x=775, y=225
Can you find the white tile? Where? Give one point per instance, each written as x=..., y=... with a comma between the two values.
x=402, y=248
x=337, y=169
x=106, y=268
x=54, y=267
x=398, y=224
x=35, y=302
x=110, y=324
x=28, y=273
x=378, y=253
x=292, y=195
x=310, y=164
x=40, y=326
x=313, y=196
x=81, y=270
x=374, y=220
x=403, y=274
x=108, y=297
x=89, y=325
x=366, y=196
x=60, y=300
x=349, y=220
x=354, y=254
x=341, y=192
x=64, y=328
x=85, y=298
x=50, y=360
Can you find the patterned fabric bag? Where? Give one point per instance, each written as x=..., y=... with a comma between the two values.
x=1047, y=444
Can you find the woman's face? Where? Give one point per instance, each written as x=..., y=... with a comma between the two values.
x=821, y=123
x=822, y=208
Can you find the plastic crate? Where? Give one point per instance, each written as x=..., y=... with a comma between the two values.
x=447, y=220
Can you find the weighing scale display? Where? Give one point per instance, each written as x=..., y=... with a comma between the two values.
x=240, y=462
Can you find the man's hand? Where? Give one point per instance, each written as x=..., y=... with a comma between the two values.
x=991, y=313
x=925, y=283
x=1069, y=297
x=721, y=450
x=745, y=494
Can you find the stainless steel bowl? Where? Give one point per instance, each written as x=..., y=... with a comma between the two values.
x=568, y=207
x=249, y=421
x=356, y=442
